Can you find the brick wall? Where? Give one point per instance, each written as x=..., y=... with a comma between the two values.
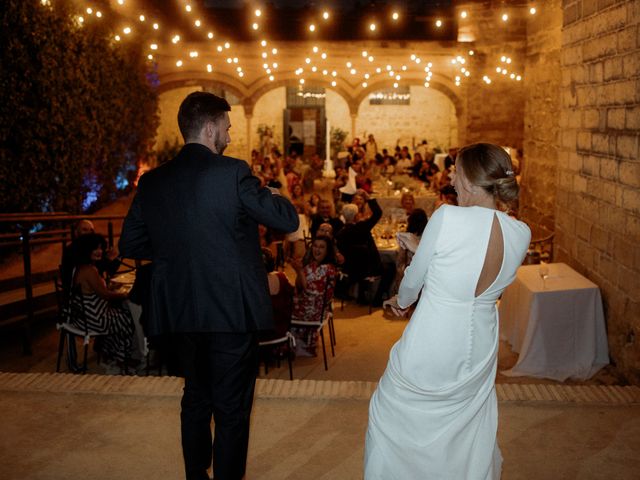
x=598, y=198
x=542, y=118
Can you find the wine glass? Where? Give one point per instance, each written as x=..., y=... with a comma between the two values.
x=543, y=271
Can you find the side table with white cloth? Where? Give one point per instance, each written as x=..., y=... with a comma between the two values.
x=555, y=324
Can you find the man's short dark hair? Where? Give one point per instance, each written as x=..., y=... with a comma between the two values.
x=198, y=108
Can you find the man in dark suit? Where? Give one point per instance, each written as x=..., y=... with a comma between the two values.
x=196, y=217
x=324, y=216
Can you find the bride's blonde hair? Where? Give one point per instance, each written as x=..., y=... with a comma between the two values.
x=489, y=166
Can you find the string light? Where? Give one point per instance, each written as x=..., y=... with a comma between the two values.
x=271, y=78
x=142, y=18
x=153, y=46
x=334, y=83
x=156, y=26
x=263, y=43
x=372, y=27
x=179, y=63
x=188, y=8
x=505, y=17
x=463, y=14
x=197, y=23
x=126, y=30
x=255, y=26
x=312, y=28
x=532, y=10
x=210, y=35
x=395, y=15
x=258, y=12
x=438, y=23
x=325, y=15
x=209, y=68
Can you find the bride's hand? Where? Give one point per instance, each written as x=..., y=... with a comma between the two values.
x=398, y=311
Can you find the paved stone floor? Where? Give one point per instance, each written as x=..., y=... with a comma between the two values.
x=58, y=426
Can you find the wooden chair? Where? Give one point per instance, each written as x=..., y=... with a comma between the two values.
x=326, y=319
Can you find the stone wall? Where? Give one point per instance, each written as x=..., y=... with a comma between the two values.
x=494, y=112
x=430, y=115
x=268, y=111
x=598, y=198
x=542, y=81
x=337, y=110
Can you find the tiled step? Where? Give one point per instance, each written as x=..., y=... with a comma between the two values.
x=301, y=389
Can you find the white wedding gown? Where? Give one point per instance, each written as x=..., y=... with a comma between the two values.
x=434, y=414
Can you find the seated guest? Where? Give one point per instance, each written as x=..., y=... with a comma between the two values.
x=315, y=281
x=324, y=216
x=448, y=196
x=408, y=203
x=443, y=178
x=109, y=263
x=387, y=169
x=408, y=242
x=428, y=170
x=361, y=255
x=326, y=230
x=404, y=161
x=312, y=172
x=104, y=309
x=359, y=201
x=417, y=164
x=281, y=292
x=312, y=203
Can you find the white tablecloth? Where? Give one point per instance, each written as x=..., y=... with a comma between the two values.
x=559, y=331
x=438, y=159
x=389, y=204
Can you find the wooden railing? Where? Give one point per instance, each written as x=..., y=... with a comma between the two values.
x=23, y=223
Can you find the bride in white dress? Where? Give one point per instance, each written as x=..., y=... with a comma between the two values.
x=434, y=414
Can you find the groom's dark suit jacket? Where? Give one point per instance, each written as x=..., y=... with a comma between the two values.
x=196, y=217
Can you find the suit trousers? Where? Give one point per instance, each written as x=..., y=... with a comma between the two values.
x=220, y=373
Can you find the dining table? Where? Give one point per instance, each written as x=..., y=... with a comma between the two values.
x=388, y=193
x=552, y=316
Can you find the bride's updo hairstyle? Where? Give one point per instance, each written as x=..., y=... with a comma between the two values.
x=489, y=166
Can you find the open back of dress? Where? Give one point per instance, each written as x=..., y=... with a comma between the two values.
x=434, y=414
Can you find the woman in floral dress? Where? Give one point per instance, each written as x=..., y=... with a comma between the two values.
x=315, y=281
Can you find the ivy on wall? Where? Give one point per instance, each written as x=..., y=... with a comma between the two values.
x=78, y=111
